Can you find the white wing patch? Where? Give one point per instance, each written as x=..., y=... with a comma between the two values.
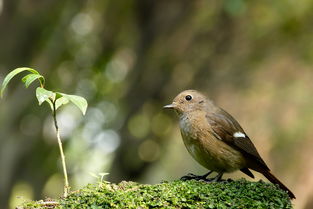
x=239, y=135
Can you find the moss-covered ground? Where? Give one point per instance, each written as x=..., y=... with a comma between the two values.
x=176, y=194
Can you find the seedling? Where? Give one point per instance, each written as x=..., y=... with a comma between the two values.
x=100, y=177
x=54, y=99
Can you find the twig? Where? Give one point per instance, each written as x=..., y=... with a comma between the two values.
x=66, y=185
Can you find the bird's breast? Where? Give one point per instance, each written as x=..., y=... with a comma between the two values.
x=191, y=131
x=210, y=152
x=191, y=126
x=185, y=124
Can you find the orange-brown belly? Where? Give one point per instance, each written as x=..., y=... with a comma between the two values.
x=210, y=152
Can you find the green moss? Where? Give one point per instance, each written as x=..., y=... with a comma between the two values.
x=177, y=194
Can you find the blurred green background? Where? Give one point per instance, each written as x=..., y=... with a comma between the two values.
x=128, y=59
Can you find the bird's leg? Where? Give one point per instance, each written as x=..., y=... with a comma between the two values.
x=206, y=175
x=217, y=178
x=190, y=176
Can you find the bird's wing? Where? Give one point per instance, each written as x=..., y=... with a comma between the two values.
x=228, y=130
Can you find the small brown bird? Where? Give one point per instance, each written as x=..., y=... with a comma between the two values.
x=216, y=140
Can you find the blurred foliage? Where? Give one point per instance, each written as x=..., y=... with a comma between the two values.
x=128, y=59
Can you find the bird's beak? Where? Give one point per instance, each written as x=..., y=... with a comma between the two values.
x=169, y=106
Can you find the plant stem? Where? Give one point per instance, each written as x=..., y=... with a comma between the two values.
x=66, y=184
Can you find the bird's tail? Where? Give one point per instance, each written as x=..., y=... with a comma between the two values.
x=274, y=180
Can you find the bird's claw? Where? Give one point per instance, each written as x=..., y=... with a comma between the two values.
x=191, y=176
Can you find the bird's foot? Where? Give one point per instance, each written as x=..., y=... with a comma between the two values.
x=191, y=176
x=217, y=178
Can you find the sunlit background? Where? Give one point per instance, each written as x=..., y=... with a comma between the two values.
x=128, y=59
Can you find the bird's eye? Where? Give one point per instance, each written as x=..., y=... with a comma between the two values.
x=188, y=97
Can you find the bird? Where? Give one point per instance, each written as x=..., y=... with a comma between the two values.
x=216, y=140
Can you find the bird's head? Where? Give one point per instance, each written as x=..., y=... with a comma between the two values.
x=188, y=101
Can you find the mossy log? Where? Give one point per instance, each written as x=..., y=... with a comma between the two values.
x=176, y=194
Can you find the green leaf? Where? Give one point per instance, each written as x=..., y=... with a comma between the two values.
x=44, y=95
x=14, y=73
x=28, y=79
x=79, y=101
x=60, y=101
